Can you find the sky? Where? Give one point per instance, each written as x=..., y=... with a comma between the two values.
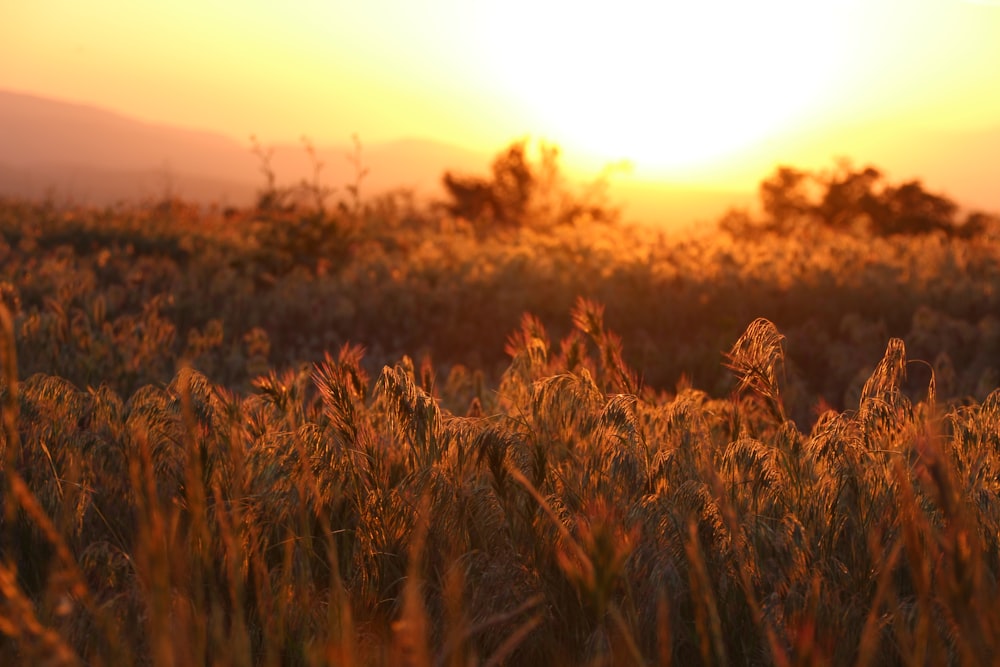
x=700, y=90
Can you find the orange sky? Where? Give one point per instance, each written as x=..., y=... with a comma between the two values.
x=697, y=91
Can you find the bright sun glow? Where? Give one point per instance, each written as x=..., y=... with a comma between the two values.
x=702, y=93
x=668, y=86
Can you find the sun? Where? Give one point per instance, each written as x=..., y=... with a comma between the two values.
x=671, y=87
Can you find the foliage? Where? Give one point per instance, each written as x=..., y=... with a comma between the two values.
x=125, y=296
x=520, y=193
x=331, y=518
x=850, y=200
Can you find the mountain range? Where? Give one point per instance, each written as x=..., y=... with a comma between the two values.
x=85, y=154
x=92, y=155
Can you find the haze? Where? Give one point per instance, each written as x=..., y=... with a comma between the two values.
x=697, y=95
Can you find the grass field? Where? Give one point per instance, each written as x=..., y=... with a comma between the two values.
x=385, y=435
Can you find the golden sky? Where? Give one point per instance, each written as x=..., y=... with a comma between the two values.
x=685, y=90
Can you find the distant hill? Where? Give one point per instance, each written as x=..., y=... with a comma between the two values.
x=95, y=185
x=89, y=154
x=86, y=154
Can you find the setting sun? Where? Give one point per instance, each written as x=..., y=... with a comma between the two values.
x=706, y=94
x=667, y=86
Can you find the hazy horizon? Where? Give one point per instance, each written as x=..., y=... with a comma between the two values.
x=88, y=154
x=704, y=97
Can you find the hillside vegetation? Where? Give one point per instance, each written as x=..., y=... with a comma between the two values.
x=509, y=429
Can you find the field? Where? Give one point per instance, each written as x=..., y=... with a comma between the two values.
x=518, y=433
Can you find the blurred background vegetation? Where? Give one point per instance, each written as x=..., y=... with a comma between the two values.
x=840, y=261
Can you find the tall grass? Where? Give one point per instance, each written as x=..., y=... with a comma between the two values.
x=567, y=516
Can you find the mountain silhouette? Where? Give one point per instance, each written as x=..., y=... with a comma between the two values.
x=85, y=154
x=91, y=155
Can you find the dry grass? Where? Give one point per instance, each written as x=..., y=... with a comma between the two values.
x=571, y=518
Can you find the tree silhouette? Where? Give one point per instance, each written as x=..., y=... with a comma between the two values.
x=522, y=193
x=851, y=197
x=909, y=209
x=851, y=200
x=785, y=198
x=502, y=200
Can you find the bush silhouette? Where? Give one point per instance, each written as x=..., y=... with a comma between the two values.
x=521, y=193
x=852, y=200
